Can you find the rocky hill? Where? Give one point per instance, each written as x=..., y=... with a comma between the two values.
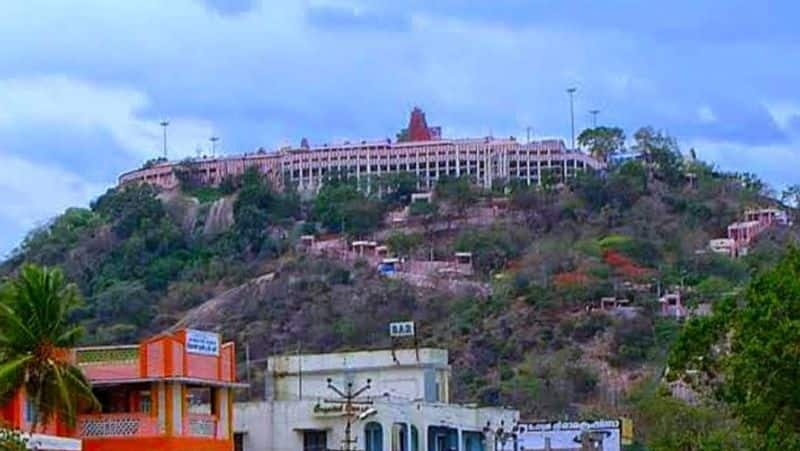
x=231, y=259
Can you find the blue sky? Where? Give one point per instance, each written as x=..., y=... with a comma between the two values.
x=84, y=84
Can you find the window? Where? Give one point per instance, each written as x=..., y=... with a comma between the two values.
x=315, y=441
x=31, y=412
x=473, y=441
x=373, y=437
x=400, y=438
x=145, y=403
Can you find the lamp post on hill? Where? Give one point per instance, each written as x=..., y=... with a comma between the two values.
x=594, y=114
x=571, y=92
x=164, y=125
x=213, y=140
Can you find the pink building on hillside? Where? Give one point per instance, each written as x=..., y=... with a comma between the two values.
x=423, y=153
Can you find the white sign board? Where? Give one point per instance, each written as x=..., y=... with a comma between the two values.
x=605, y=434
x=199, y=342
x=401, y=329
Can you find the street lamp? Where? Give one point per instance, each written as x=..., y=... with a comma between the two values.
x=213, y=140
x=594, y=114
x=164, y=125
x=571, y=92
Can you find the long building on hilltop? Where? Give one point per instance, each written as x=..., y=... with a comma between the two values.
x=420, y=150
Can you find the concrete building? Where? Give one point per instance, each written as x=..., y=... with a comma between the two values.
x=742, y=234
x=404, y=405
x=172, y=392
x=423, y=152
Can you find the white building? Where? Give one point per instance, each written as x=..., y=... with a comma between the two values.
x=405, y=408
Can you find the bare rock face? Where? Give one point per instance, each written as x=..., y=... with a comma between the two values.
x=183, y=209
x=220, y=216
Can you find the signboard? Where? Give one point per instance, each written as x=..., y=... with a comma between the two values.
x=49, y=442
x=401, y=329
x=337, y=409
x=603, y=435
x=199, y=342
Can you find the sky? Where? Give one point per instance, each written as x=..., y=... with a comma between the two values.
x=84, y=85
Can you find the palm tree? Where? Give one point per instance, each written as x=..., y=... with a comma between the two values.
x=35, y=338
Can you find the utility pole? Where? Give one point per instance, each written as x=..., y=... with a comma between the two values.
x=213, y=140
x=164, y=127
x=348, y=397
x=528, y=133
x=247, y=367
x=594, y=114
x=571, y=92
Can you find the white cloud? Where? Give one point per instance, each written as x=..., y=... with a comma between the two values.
x=67, y=102
x=706, y=115
x=783, y=112
x=779, y=162
x=31, y=193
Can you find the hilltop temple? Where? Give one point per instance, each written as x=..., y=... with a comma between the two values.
x=420, y=150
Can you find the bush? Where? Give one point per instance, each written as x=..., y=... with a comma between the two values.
x=12, y=440
x=492, y=248
x=588, y=327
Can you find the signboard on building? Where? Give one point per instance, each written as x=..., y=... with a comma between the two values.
x=401, y=329
x=603, y=435
x=338, y=409
x=200, y=342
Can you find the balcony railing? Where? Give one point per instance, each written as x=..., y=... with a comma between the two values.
x=118, y=425
x=199, y=425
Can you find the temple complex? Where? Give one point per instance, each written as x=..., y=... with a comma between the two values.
x=420, y=150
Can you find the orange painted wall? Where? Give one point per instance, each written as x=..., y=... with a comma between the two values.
x=157, y=444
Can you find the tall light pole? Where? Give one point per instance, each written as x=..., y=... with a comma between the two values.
x=213, y=140
x=571, y=92
x=594, y=114
x=164, y=127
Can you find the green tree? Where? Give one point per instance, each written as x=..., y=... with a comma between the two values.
x=749, y=352
x=458, y=191
x=791, y=196
x=603, y=142
x=257, y=207
x=668, y=424
x=662, y=153
x=35, y=336
x=341, y=207
x=396, y=188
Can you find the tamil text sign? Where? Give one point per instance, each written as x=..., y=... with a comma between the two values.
x=604, y=435
x=199, y=342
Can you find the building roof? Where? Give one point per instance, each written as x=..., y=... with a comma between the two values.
x=358, y=360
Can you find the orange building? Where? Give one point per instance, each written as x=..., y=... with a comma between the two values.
x=172, y=392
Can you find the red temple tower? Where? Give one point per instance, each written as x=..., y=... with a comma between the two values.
x=417, y=127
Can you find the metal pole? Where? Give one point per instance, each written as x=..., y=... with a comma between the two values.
x=594, y=114
x=571, y=92
x=164, y=127
x=214, y=140
x=247, y=366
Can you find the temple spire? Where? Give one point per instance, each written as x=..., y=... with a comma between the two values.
x=417, y=126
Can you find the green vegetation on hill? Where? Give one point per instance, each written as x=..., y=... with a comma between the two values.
x=143, y=259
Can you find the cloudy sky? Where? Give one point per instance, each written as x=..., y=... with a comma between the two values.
x=84, y=84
